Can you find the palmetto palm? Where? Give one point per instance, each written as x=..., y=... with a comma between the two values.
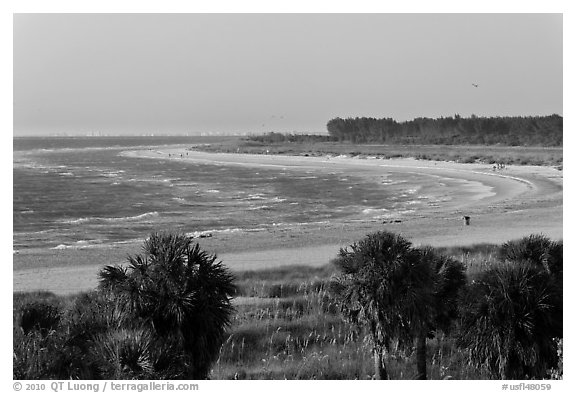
x=180, y=292
x=508, y=321
x=385, y=284
x=449, y=278
x=537, y=251
x=513, y=313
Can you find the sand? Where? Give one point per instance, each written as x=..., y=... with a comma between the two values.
x=503, y=205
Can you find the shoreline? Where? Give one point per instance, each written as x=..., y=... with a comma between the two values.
x=504, y=205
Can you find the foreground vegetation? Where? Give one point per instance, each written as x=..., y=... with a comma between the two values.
x=164, y=316
x=295, y=323
x=289, y=325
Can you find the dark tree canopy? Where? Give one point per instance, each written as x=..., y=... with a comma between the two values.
x=386, y=286
x=180, y=293
x=510, y=321
x=512, y=131
x=512, y=313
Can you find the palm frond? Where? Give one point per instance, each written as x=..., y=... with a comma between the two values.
x=112, y=277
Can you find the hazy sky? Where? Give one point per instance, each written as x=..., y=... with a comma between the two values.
x=135, y=73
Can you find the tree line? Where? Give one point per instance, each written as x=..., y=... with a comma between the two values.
x=512, y=131
x=277, y=137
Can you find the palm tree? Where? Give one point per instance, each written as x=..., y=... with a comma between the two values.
x=449, y=278
x=384, y=284
x=509, y=321
x=539, y=252
x=519, y=306
x=181, y=293
x=535, y=250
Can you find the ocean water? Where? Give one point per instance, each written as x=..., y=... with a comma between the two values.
x=82, y=192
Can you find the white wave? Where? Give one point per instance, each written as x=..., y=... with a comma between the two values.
x=254, y=197
x=111, y=219
x=391, y=182
x=133, y=218
x=412, y=202
x=260, y=197
x=78, y=220
x=187, y=184
x=111, y=174
x=131, y=241
x=252, y=229
x=211, y=232
x=294, y=224
x=373, y=210
x=63, y=247
x=263, y=207
x=66, y=174
x=80, y=244
x=152, y=180
x=197, y=234
x=33, y=233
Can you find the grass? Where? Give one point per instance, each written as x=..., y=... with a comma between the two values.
x=476, y=258
x=288, y=326
x=509, y=155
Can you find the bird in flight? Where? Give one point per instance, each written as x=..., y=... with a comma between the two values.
x=474, y=84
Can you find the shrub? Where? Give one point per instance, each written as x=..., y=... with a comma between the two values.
x=509, y=321
x=536, y=250
x=137, y=354
x=177, y=291
x=39, y=316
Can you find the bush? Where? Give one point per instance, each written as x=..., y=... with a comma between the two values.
x=510, y=318
x=535, y=250
x=137, y=354
x=177, y=291
x=39, y=316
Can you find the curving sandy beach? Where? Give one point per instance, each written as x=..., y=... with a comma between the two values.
x=503, y=205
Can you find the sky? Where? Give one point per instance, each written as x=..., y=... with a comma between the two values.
x=251, y=73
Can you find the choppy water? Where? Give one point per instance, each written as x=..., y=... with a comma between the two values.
x=81, y=192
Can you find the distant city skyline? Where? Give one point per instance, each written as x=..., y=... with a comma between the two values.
x=78, y=74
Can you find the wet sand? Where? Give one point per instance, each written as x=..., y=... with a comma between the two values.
x=503, y=205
